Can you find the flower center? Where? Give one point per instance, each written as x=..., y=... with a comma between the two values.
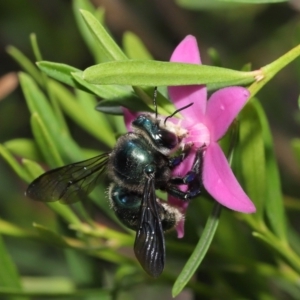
x=198, y=134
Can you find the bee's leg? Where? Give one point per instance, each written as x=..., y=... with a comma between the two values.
x=177, y=160
x=195, y=185
x=184, y=196
x=193, y=179
x=187, y=179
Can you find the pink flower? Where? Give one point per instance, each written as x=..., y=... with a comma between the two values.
x=207, y=122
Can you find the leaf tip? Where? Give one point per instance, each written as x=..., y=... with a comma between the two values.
x=175, y=291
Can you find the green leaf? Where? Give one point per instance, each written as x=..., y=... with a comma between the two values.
x=25, y=63
x=45, y=85
x=221, y=4
x=273, y=202
x=296, y=150
x=73, y=77
x=60, y=72
x=104, y=92
x=115, y=106
x=83, y=112
x=28, y=172
x=35, y=47
x=252, y=158
x=134, y=47
x=84, y=30
x=9, y=276
x=80, y=266
x=7, y=228
x=266, y=73
x=254, y=1
x=156, y=73
x=117, y=238
x=38, y=103
x=202, y=4
x=45, y=142
x=133, y=103
x=14, y=164
x=53, y=288
x=58, y=284
x=24, y=148
x=214, y=57
x=50, y=236
x=214, y=86
x=33, y=168
x=199, y=252
x=106, y=45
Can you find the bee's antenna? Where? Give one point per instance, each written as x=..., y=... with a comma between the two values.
x=154, y=101
x=176, y=111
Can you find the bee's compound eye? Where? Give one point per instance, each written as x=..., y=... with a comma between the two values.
x=168, y=139
x=124, y=198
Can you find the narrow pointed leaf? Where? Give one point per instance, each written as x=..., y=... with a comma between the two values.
x=156, y=73
x=37, y=102
x=84, y=30
x=30, y=171
x=254, y=1
x=115, y=106
x=84, y=116
x=267, y=72
x=50, y=236
x=60, y=72
x=7, y=228
x=35, y=47
x=106, y=45
x=73, y=77
x=9, y=276
x=199, y=252
x=134, y=47
x=24, y=148
x=104, y=91
x=54, y=289
x=25, y=63
x=252, y=158
x=45, y=142
x=14, y=164
x=274, y=201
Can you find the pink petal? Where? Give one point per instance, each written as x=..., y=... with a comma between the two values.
x=180, y=229
x=129, y=116
x=220, y=182
x=222, y=107
x=182, y=206
x=184, y=95
x=187, y=52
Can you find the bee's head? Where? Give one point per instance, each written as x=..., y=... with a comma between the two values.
x=162, y=136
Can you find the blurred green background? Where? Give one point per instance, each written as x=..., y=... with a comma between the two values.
x=240, y=33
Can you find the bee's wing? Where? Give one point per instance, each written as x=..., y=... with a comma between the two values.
x=67, y=182
x=149, y=246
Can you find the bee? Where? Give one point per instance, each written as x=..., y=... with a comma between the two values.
x=140, y=163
